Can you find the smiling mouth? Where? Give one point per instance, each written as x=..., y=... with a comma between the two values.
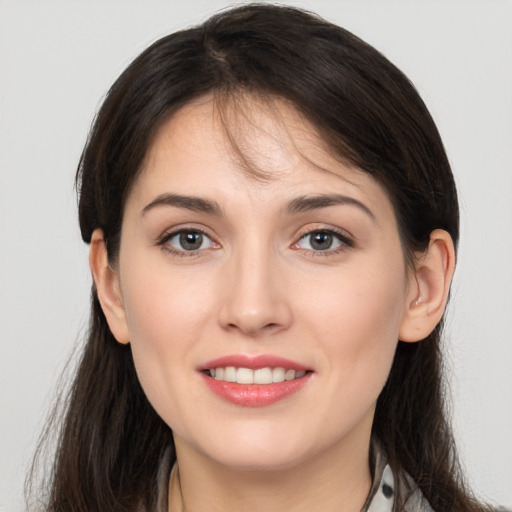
x=263, y=376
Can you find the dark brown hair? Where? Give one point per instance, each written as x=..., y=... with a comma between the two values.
x=111, y=440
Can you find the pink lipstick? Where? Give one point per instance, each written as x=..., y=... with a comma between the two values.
x=254, y=381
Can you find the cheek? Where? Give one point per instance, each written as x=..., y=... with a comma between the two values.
x=359, y=300
x=162, y=307
x=164, y=319
x=358, y=318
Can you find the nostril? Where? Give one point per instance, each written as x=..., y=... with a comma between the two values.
x=253, y=328
x=254, y=316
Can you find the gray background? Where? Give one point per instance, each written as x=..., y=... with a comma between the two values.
x=57, y=59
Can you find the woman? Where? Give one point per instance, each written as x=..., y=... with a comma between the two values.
x=273, y=223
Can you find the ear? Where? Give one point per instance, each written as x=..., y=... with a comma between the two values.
x=106, y=280
x=429, y=287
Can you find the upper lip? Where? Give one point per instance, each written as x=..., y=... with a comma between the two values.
x=254, y=362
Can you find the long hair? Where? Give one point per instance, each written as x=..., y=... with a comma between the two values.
x=111, y=440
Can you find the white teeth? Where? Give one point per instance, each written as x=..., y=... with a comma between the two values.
x=259, y=376
x=263, y=376
x=290, y=375
x=278, y=374
x=230, y=374
x=245, y=376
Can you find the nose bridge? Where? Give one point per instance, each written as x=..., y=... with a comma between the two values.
x=254, y=299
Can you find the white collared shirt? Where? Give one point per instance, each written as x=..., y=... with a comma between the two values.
x=382, y=495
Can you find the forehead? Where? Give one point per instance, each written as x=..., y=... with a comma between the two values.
x=260, y=145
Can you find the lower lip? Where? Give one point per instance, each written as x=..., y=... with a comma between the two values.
x=255, y=395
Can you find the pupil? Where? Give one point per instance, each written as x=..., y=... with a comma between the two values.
x=191, y=241
x=321, y=241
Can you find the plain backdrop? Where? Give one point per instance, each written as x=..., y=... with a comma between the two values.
x=57, y=60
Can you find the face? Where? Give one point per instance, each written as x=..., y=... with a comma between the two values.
x=263, y=315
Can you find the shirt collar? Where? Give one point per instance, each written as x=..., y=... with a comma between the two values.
x=384, y=491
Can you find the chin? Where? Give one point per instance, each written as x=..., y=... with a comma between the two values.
x=260, y=462
x=254, y=452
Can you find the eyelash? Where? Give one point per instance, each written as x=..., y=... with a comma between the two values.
x=167, y=237
x=345, y=242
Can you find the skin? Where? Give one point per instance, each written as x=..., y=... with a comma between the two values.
x=258, y=286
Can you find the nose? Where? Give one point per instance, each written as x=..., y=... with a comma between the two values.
x=255, y=297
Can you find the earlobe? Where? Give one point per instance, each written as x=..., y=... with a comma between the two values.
x=429, y=288
x=106, y=280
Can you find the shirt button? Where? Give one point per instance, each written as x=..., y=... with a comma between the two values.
x=387, y=490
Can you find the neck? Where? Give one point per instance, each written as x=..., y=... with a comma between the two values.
x=337, y=479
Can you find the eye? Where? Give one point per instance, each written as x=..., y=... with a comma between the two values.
x=323, y=240
x=187, y=240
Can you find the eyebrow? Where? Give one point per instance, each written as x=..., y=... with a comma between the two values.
x=196, y=204
x=308, y=203
x=298, y=205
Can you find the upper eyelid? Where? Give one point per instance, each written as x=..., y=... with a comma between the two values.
x=163, y=242
x=347, y=242
x=175, y=230
x=172, y=234
x=343, y=234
